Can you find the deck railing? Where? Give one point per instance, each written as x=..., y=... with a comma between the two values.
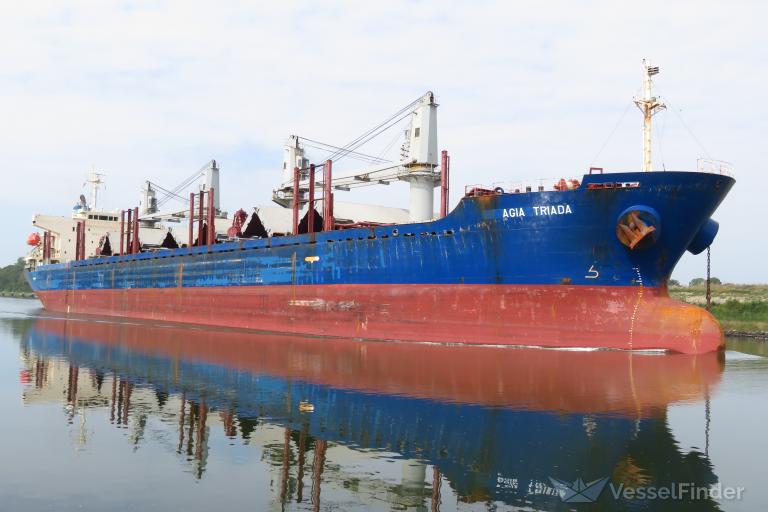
x=522, y=187
x=711, y=166
x=705, y=165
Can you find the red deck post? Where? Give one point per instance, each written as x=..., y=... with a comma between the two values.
x=128, y=231
x=447, y=184
x=211, y=238
x=300, y=464
x=135, y=238
x=82, y=242
x=128, y=386
x=295, y=200
x=286, y=465
x=122, y=230
x=318, y=464
x=327, y=196
x=311, y=206
x=444, y=184
x=201, y=420
x=191, y=219
x=200, y=219
x=78, y=234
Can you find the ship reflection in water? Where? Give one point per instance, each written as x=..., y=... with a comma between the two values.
x=343, y=425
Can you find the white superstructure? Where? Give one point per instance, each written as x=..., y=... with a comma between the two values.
x=102, y=225
x=417, y=165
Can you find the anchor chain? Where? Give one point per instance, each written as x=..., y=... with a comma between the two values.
x=709, y=289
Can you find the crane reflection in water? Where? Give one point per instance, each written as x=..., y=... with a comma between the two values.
x=479, y=424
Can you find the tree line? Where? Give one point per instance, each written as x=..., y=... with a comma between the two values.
x=12, y=278
x=698, y=281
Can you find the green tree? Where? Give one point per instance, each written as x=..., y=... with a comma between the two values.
x=12, y=278
x=700, y=281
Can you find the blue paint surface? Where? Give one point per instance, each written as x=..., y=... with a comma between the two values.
x=540, y=238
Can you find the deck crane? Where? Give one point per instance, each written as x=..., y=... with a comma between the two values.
x=151, y=208
x=418, y=164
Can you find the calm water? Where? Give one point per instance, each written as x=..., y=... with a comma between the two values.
x=103, y=415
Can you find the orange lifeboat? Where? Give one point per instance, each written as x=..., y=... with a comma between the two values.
x=33, y=239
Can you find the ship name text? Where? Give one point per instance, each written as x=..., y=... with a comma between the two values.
x=537, y=211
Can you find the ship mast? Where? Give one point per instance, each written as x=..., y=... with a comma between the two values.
x=94, y=179
x=648, y=105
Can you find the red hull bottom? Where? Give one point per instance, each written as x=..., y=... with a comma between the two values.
x=628, y=318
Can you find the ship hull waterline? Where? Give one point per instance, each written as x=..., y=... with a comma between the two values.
x=585, y=267
x=549, y=316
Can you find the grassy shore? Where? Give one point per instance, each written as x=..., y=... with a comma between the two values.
x=740, y=308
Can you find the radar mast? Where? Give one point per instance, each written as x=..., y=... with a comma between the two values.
x=95, y=180
x=648, y=105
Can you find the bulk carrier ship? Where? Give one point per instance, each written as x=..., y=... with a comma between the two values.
x=570, y=263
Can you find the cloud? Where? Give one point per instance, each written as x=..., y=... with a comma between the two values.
x=527, y=89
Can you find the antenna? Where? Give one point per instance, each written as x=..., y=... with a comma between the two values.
x=648, y=105
x=94, y=179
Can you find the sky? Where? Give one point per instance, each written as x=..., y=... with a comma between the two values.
x=153, y=90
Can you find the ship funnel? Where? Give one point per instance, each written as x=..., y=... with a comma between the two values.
x=704, y=237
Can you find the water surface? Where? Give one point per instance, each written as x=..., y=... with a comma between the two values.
x=120, y=415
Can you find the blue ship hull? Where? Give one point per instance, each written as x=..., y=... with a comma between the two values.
x=537, y=268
